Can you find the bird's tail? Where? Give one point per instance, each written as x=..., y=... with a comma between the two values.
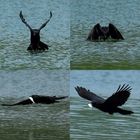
x=124, y=112
x=59, y=98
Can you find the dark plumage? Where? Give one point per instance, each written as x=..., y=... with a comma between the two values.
x=110, y=105
x=38, y=99
x=35, y=43
x=102, y=33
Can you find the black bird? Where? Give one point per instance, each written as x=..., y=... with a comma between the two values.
x=102, y=33
x=35, y=43
x=38, y=99
x=110, y=105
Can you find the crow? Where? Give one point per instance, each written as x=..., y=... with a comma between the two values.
x=110, y=105
x=35, y=43
x=36, y=99
x=99, y=32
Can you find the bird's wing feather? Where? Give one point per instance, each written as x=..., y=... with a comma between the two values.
x=87, y=94
x=119, y=97
x=114, y=32
x=94, y=33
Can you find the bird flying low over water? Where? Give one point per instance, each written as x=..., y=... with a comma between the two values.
x=99, y=32
x=36, y=99
x=110, y=105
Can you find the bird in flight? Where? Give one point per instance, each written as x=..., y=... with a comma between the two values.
x=112, y=103
x=36, y=99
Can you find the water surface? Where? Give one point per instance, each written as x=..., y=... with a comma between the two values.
x=105, y=55
x=35, y=121
x=87, y=123
x=15, y=36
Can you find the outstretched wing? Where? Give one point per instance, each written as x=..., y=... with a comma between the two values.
x=119, y=97
x=114, y=32
x=24, y=21
x=94, y=33
x=87, y=94
x=44, y=24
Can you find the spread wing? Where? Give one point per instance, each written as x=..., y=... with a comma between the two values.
x=94, y=33
x=87, y=94
x=24, y=21
x=119, y=97
x=114, y=32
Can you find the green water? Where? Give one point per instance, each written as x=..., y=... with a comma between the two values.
x=15, y=36
x=23, y=74
x=105, y=55
x=36, y=121
x=92, y=124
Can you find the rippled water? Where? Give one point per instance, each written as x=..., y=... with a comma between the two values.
x=87, y=123
x=105, y=55
x=37, y=121
x=15, y=36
